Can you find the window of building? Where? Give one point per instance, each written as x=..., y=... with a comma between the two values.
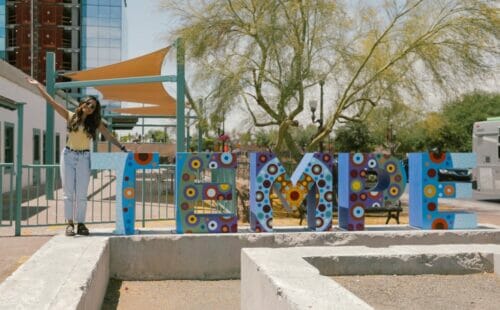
x=9, y=143
x=58, y=147
x=44, y=147
x=36, y=146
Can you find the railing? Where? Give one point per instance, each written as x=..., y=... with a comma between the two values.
x=7, y=197
x=154, y=196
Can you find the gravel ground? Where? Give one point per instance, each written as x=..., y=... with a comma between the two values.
x=476, y=291
x=173, y=294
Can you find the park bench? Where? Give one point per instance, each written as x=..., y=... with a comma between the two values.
x=392, y=210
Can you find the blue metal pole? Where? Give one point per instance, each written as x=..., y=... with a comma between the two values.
x=50, y=80
x=181, y=130
x=19, y=167
x=117, y=81
x=200, y=129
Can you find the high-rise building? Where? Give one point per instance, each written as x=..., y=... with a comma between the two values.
x=82, y=33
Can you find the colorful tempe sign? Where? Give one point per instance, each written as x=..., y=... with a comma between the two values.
x=206, y=178
x=312, y=180
x=125, y=166
x=356, y=196
x=206, y=182
x=425, y=190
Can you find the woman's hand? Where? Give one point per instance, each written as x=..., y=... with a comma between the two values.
x=32, y=81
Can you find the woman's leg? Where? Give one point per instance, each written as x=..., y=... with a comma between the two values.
x=82, y=185
x=68, y=177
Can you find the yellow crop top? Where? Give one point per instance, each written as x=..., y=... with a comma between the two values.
x=77, y=140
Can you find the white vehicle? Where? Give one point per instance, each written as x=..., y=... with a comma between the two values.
x=486, y=145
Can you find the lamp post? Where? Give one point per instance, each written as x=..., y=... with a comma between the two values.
x=313, y=104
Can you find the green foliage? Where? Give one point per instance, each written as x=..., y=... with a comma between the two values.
x=353, y=137
x=157, y=136
x=460, y=116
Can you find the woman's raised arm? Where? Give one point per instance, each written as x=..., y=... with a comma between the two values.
x=59, y=108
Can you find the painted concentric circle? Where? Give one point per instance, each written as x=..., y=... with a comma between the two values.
x=213, y=165
x=431, y=206
x=394, y=190
x=329, y=196
x=196, y=163
x=190, y=192
x=390, y=167
x=226, y=158
x=372, y=163
x=192, y=219
x=316, y=169
x=270, y=222
x=129, y=192
x=358, y=158
x=430, y=191
x=357, y=212
x=259, y=196
x=449, y=190
x=439, y=223
x=143, y=158
x=431, y=173
x=319, y=222
x=211, y=192
x=437, y=157
x=356, y=186
x=212, y=225
x=272, y=169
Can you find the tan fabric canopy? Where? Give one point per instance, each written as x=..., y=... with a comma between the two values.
x=151, y=93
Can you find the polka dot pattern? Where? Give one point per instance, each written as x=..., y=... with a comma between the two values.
x=191, y=194
x=424, y=203
x=359, y=168
x=313, y=176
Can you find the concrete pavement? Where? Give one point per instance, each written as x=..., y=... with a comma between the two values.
x=16, y=250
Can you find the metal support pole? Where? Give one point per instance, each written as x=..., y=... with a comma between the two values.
x=200, y=129
x=110, y=128
x=321, y=83
x=19, y=168
x=50, y=80
x=181, y=130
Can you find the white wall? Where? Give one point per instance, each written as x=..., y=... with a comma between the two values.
x=34, y=118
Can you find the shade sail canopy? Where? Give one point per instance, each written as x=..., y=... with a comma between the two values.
x=152, y=93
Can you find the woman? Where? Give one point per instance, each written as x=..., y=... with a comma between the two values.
x=75, y=164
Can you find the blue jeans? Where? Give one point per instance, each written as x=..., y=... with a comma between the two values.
x=75, y=174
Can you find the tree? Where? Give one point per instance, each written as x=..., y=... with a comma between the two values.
x=156, y=135
x=353, y=137
x=460, y=115
x=266, y=55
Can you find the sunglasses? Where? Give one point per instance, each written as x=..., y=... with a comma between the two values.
x=90, y=103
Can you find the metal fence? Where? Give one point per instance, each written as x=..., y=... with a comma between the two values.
x=7, y=198
x=154, y=196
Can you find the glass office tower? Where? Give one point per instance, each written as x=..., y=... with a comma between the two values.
x=102, y=40
x=83, y=34
x=2, y=29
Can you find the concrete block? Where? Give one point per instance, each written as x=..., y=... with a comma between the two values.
x=66, y=273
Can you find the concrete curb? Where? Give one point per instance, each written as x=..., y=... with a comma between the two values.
x=293, y=278
x=66, y=273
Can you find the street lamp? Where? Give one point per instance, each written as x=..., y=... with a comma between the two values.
x=313, y=104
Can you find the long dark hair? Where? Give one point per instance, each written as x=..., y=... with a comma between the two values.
x=91, y=122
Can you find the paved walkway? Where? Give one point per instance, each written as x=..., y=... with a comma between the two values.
x=16, y=250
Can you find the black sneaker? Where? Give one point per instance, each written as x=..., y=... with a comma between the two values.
x=70, y=230
x=82, y=230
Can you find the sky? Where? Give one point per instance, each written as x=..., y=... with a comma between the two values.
x=147, y=27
